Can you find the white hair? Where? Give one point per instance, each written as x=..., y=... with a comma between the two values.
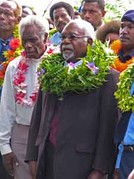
x=82, y=24
x=41, y=23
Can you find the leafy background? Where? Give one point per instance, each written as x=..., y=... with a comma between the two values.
x=115, y=8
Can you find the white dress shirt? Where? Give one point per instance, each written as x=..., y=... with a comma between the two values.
x=10, y=111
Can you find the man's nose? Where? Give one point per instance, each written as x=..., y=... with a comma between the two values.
x=124, y=29
x=28, y=45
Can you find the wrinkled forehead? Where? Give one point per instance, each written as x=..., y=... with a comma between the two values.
x=8, y=4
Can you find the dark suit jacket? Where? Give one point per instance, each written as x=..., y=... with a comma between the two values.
x=85, y=131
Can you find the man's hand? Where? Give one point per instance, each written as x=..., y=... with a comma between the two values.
x=116, y=174
x=32, y=165
x=96, y=174
x=9, y=160
x=131, y=175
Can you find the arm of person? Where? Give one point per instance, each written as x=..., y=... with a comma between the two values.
x=105, y=153
x=32, y=148
x=33, y=165
x=7, y=119
x=97, y=174
x=131, y=175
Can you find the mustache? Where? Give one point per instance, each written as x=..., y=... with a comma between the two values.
x=59, y=23
x=68, y=47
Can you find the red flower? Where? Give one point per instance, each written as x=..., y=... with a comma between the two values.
x=10, y=53
x=33, y=97
x=19, y=80
x=10, y=59
x=1, y=75
x=14, y=43
x=23, y=66
x=50, y=51
x=19, y=97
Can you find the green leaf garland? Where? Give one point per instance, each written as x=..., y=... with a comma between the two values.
x=57, y=78
x=125, y=100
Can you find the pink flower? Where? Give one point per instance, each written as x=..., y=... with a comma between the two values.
x=23, y=53
x=23, y=66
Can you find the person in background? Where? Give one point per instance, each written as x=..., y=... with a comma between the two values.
x=124, y=47
x=74, y=133
x=10, y=15
x=93, y=11
x=60, y=13
x=109, y=31
x=124, y=136
x=26, y=10
x=19, y=93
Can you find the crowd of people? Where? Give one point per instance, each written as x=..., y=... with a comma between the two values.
x=66, y=98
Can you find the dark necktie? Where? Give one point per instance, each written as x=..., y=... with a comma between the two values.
x=54, y=126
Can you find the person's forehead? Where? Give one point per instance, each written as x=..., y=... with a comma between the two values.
x=73, y=28
x=60, y=10
x=8, y=4
x=31, y=29
x=90, y=5
x=127, y=23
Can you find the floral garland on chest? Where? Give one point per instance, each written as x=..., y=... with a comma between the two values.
x=118, y=65
x=20, y=86
x=14, y=51
x=123, y=94
x=57, y=78
x=19, y=80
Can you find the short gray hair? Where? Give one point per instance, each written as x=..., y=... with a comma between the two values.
x=41, y=23
x=88, y=28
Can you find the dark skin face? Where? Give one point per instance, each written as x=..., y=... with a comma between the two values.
x=33, y=42
x=61, y=18
x=74, y=48
x=91, y=13
x=8, y=20
x=127, y=36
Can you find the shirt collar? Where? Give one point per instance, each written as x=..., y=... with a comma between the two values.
x=6, y=41
x=126, y=57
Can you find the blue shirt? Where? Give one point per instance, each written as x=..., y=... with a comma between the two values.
x=4, y=45
x=56, y=38
x=129, y=135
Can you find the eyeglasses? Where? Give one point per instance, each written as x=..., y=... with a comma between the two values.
x=73, y=37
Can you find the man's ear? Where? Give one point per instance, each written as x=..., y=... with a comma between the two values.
x=90, y=41
x=103, y=13
x=45, y=37
x=18, y=19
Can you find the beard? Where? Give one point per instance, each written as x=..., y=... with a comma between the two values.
x=68, y=53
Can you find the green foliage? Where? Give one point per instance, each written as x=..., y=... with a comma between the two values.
x=116, y=8
x=51, y=32
x=57, y=78
x=125, y=100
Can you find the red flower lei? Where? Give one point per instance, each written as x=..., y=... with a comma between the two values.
x=20, y=85
x=19, y=79
x=118, y=65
